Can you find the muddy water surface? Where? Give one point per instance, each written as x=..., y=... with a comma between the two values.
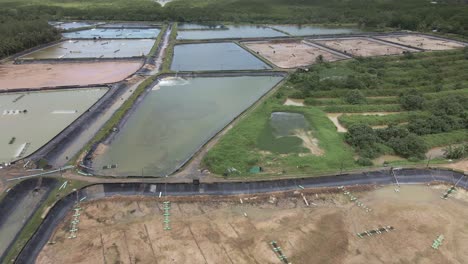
x=30, y=120
x=176, y=118
x=231, y=32
x=214, y=56
x=94, y=49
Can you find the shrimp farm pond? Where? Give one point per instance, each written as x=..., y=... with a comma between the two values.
x=176, y=118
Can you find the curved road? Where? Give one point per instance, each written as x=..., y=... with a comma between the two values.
x=93, y=192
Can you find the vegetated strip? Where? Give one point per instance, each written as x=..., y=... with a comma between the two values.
x=378, y=120
x=446, y=138
x=361, y=108
x=166, y=65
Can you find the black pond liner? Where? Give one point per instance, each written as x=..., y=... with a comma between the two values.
x=16, y=194
x=384, y=177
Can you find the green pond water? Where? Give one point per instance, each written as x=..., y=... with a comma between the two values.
x=124, y=33
x=279, y=133
x=47, y=113
x=214, y=56
x=114, y=48
x=176, y=118
x=230, y=32
x=297, y=30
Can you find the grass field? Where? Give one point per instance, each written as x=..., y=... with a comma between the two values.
x=381, y=81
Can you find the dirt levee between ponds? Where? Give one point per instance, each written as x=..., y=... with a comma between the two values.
x=63, y=74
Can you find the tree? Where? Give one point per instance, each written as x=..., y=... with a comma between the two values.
x=412, y=101
x=364, y=139
x=411, y=146
x=355, y=97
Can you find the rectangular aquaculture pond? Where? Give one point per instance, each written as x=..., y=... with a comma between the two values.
x=108, y=33
x=230, y=32
x=298, y=30
x=214, y=56
x=30, y=120
x=37, y=75
x=94, y=49
x=174, y=120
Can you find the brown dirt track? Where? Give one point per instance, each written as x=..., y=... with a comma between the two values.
x=290, y=54
x=130, y=230
x=39, y=75
x=362, y=47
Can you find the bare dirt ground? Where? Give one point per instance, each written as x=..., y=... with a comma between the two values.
x=461, y=165
x=340, y=128
x=62, y=74
x=130, y=230
x=294, y=102
x=423, y=42
x=362, y=47
x=290, y=54
x=309, y=142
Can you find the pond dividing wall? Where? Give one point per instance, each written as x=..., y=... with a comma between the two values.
x=175, y=119
x=214, y=56
x=34, y=118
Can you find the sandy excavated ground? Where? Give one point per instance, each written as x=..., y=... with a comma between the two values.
x=423, y=42
x=61, y=74
x=290, y=54
x=362, y=47
x=340, y=128
x=130, y=230
x=294, y=102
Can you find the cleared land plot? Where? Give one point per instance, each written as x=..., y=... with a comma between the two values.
x=214, y=56
x=289, y=54
x=123, y=230
x=362, y=47
x=230, y=32
x=64, y=74
x=424, y=42
x=106, y=33
x=73, y=49
x=30, y=120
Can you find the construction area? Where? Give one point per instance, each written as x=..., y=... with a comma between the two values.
x=423, y=42
x=35, y=75
x=411, y=224
x=292, y=54
x=363, y=47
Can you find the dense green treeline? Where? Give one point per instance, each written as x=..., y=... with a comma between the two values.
x=18, y=35
x=27, y=18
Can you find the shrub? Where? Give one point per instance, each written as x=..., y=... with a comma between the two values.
x=355, y=97
x=411, y=101
x=364, y=139
x=456, y=152
x=409, y=146
x=364, y=162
